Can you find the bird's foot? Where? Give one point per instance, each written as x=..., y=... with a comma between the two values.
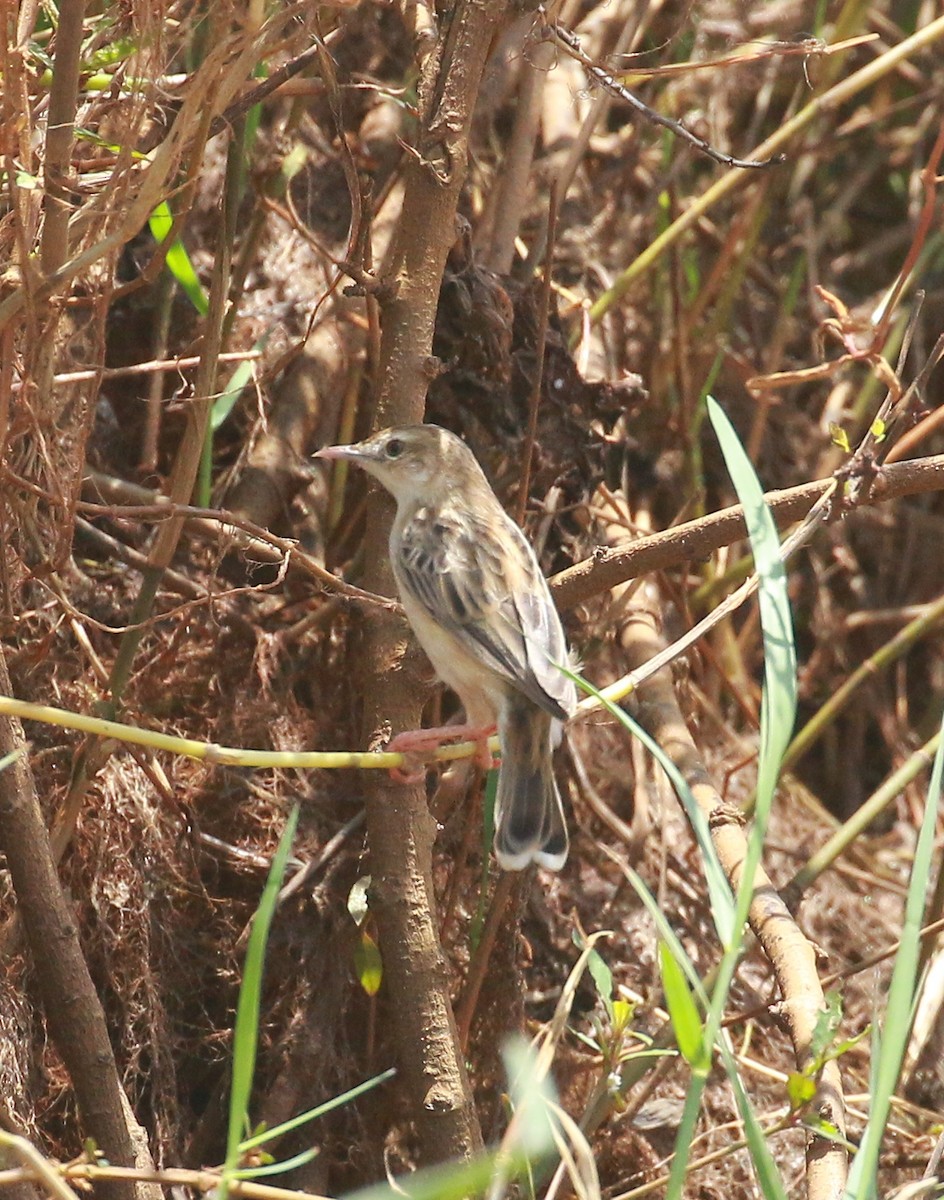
x=418, y=745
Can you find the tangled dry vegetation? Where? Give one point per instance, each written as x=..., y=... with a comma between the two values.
x=331, y=172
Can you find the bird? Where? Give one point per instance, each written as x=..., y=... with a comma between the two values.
x=481, y=609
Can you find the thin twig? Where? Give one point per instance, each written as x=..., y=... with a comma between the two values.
x=475, y=977
x=149, y=368
x=571, y=43
x=540, y=340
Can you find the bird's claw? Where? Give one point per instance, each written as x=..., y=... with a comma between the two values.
x=421, y=744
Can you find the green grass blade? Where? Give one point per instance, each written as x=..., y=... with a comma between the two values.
x=9, y=759
x=246, y=1033
x=312, y=1114
x=780, y=675
x=719, y=893
x=768, y=1175
x=683, y=1012
x=178, y=260
x=902, y=995
x=277, y=1168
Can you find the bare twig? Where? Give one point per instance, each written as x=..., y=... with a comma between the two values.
x=540, y=349
x=73, y=1010
x=571, y=43
x=697, y=539
x=826, y=102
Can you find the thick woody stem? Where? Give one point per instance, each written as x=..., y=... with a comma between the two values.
x=791, y=956
x=73, y=1010
x=400, y=829
x=609, y=567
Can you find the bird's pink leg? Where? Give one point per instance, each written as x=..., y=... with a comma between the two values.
x=424, y=743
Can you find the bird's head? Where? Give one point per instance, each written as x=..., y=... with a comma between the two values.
x=413, y=462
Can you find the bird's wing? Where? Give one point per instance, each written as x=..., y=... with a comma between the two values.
x=480, y=581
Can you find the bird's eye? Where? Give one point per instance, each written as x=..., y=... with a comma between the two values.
x=393, y=448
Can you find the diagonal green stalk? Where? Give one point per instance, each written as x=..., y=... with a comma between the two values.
x=902, y=994
x=860, y=820
x=836, y=96
x=890, y=653
x=249, y=1005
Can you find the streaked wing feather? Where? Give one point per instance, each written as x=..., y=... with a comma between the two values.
x=546, y=647
x=502, y=611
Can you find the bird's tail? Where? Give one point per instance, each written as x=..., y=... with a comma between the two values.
x=529, y=816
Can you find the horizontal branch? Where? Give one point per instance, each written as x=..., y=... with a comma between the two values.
x=603, y=571
x=230, y=756
x=695, y=540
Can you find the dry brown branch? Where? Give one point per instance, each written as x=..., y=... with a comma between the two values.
x=228, y=64
x=400, y=829
x=212, y=525
x=73, y=1011
x=57, y=207
x=697, y=539
x=791, y=956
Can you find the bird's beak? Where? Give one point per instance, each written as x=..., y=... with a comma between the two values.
x=351, y=452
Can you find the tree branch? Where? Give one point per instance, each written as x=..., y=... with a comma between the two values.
x=400, y=829
x=610, y=566
x=73, y=1011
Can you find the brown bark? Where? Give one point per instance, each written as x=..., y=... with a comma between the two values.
x=790, y=954
x=611, y=566
x=74, y=1013
x=400, y=829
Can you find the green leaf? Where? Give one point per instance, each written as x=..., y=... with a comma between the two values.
x=780, y=674
x=768, y=1175
x=686, y=1021
x=839, y=437
x=602, y=978
x=294, y=161
x=622, y=1013
x=248, y=1007
x=116, y=51
x=827, y=1024
x=178, y=260
x=844, y=1045
x=368, y=964
x=800, y=1088
x=225, y=402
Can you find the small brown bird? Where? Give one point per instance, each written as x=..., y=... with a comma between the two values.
x=481, y=609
